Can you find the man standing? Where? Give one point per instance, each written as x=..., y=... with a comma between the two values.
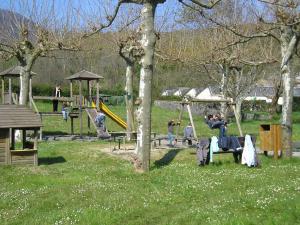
x=56, y=93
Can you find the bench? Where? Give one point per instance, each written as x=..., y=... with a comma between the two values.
x=236, y=154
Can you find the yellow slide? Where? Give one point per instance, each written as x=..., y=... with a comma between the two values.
x=111, y=115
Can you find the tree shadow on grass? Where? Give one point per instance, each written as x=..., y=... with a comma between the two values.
x=51, y=160
x=167, y=158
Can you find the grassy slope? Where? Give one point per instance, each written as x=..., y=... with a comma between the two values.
x=77, y=184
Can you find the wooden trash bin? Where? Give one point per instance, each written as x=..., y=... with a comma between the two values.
x=270, y=138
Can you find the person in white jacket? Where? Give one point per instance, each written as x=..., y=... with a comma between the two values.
x=249, y=153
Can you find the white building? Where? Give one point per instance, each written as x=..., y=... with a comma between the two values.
x=210, y=93
x=194, y=92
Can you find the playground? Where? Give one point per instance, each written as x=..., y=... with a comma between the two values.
x=121, y=112
x=84, y=182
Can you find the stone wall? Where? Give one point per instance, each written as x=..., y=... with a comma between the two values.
x=196, y=107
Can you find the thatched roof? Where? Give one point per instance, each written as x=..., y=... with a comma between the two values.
x=13, y=72
x=84, y=75
x=16, y=116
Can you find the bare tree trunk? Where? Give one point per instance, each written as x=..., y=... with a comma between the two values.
x=274, y=103
x=144, y=111
x=129, y=100
x=24, y=86
x=287, y=110
x=288, y=46
x=238, y=108
x=224, y=81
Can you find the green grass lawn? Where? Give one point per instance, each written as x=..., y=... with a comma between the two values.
x=76, y=183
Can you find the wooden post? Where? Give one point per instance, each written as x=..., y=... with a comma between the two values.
x=97, y=95
x=71, y=91
x=179, y=119
x=89, y=87
x=12, y=137
x=2, y=91
x=35, y=143
x=89, y=102
x=35, y=147
x=80, y=106
x=9, y=91
x=191, y=120
x=7, y=148
x=30, y=92
x=237, y=121
x=41, y=129
x=23, y=138
x=72, y=125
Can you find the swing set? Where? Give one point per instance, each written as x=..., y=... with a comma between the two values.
x=187, y=102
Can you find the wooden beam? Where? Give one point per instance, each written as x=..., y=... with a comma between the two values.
x=237, y=121
x=61, y=99
x=179, y=120
x=191, y=120
x=210, y=100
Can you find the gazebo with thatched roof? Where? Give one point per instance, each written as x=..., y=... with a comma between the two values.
x=85, y=76
x=12, y=72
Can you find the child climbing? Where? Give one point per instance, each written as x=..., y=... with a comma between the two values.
x=100, y=121
x=65, y=111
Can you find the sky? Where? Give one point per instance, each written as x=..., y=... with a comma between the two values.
x=89, y=7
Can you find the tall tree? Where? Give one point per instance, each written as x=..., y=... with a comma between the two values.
x=130, y=50
x=31, y=35
x=35, y=28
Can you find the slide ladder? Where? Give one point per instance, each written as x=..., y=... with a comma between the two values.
x=110, y=114
x=92, y=113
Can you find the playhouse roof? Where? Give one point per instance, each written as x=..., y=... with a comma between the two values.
x=17, y=116
x=84, y=75
x=13, y=72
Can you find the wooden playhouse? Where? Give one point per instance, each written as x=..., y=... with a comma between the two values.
x=16, y=117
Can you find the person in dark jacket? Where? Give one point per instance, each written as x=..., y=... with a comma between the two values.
x=224, y=142
x=56, y=93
